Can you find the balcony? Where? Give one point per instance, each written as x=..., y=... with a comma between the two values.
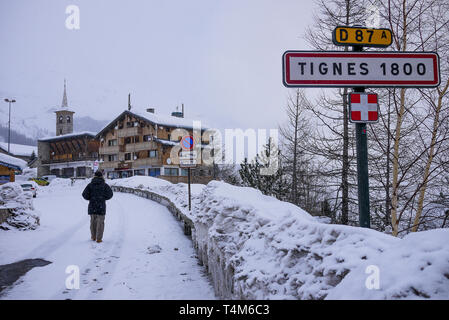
x=147, y=162
x=108, y=164
x=141, y=146
x=109, y=150
x=69, y=159
x=129, y=132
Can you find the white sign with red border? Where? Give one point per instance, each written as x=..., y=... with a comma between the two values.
x=360, y=69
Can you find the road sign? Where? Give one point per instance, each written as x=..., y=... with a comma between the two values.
x=187, y=143
x=360, y=36
x=360, y=69
x=188, y=154
x=363, y=107
x=187, y=163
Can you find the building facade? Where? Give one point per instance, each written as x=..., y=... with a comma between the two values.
x=140, y=144
x=68, y=156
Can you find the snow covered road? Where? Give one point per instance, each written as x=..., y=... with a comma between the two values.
x=144, y=254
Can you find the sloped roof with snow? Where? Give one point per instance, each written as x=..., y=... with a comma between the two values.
x=161, y=120
x=18, y=149
x=69, y=135
x=12, y=162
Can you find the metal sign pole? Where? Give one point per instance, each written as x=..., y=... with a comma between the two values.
x=188, y=181
x=362, y=166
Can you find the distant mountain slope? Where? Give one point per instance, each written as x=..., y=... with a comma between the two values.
x=89, y=124
x=16, y=137
x=27, y=127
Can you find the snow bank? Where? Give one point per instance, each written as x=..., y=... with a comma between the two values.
x=58, y=183
x=257, y=247
x=22, y=215
x=141, y=182
x=27, y=173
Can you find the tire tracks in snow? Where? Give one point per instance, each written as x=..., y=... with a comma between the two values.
x=48, y=247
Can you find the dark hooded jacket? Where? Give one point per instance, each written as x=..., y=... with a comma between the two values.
x=97, y=192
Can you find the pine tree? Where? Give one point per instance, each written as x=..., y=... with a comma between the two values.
x=253, y=175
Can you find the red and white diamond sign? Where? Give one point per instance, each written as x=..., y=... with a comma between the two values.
x=363, y=107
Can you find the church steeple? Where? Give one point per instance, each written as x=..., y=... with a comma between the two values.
x=64, y=116
x=64, y=97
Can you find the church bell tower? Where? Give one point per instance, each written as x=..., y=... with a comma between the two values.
x=64, y=116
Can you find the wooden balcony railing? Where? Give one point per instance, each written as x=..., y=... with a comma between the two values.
x=129, y=132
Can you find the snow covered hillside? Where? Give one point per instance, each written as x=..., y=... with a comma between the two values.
x=256, y=247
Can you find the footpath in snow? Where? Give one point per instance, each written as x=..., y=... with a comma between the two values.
x=144, y=254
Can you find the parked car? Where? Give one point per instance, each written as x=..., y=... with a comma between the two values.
x=29, y=188
x=40, y=181
x=49, y=177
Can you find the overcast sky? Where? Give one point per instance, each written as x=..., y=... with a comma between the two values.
x=222, y=59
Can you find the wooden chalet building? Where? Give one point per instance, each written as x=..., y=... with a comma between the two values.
x=136, y=143
x=69, y=155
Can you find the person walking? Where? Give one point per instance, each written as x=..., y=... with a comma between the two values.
x=97, y=192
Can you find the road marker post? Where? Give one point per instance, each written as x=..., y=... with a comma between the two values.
x=188, y=159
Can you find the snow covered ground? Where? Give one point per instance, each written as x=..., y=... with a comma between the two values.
x=144, y=254
x=253, y=246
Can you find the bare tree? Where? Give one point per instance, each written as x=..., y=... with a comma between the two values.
x=413, y=119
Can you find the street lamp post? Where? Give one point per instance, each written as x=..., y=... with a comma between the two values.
x=9, y=121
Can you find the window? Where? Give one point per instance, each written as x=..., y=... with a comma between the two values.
x=113, y=175
x=171, y=171
x=152, y=153
x=127, y=140
x=68, y=119
x=112, y=157
x=129, y=124
x=147, y=138
x=112, y=142
x=60, y=131
x=60, y=119
x=126, y=174
x=127, y=156
x=167, y=129
x=154, y=172
x=184, y=172
x=140, y=172
x=136, y=139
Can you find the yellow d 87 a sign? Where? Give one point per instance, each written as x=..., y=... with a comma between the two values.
x=359, y=36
